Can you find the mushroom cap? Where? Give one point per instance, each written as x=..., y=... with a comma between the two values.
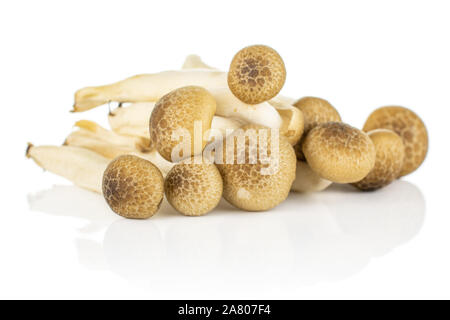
x=133, y=187
x=180, y=109
x=315, y=111
x=306, y=180
x=390, y=153
x=257, y=74
x=339, y=153
x=260, y=183
x=409, y=127
x=194, y=187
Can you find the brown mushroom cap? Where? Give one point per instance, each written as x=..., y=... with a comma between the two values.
x=179, y=109
x=339, y=153
x=257, y=74
x=409, y=127
x=389, y=160
x=193, y=187
x=247, y=185
x=133, y=187
x=315, y=111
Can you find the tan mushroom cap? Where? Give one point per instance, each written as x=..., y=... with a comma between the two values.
x=390, y=153
x=257, y=74
x=339, y=153
x=133, y=187
x=177, y=110
x=257, y=185
x=409, y=127
x=315, y=111
x=194, y=187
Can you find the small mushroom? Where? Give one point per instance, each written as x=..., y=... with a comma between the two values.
x=339, y=152
x=389, y=160
x=133, y=187
x=315, y=111
x=409, y=127
x=306, y=180
x=253, y=182
x=179, y=110
x=257, y=74
x=194, y=187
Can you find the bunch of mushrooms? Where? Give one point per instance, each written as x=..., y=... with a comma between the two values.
x=198, y=134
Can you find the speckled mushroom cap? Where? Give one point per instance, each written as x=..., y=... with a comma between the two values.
x=315, y=111
x=133, y=187
x=409, y=127
x=194, y=187
x=339, y=153
x=390, y=153
x=177, y=110
x=257, y=74
x=257, y=185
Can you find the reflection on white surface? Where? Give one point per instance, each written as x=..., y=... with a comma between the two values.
x=310, y=238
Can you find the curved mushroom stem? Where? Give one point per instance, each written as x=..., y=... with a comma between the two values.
x=97, y=141
x=81, y=166
x=231, y=107
x=293, y=122
x=133, y=120
x=146, y=87
x=306, y=180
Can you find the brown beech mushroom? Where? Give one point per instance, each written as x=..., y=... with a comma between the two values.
x=257, y=167
x=133, y=187
x=257, y=74
x=194, y=186
x=181, y=110
x=409, y=127
x=390, y=154
x=339, y=152
x=315, y=111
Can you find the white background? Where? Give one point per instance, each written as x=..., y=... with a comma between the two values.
x=58, y=241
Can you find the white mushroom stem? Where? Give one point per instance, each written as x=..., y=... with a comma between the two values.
x=231, y=107
x=113, y=149
x=195, y=62
x=306, y=180
x=81, y=166
x=90, y=129
x=133, y=120
x=147, y=87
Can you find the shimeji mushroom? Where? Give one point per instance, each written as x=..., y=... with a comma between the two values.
x=390, y=153
x=257, y=74
x=257, y=167
x=194, y=186
x=181, y=110
x=409, y=127
x=306, y=180
x=315, y=111
x=339, y=152
x=133, y=187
